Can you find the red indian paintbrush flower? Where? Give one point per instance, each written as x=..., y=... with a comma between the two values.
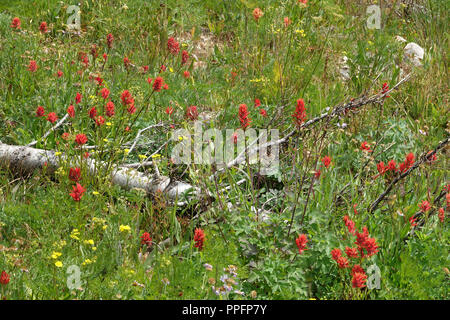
x=424, y=206
x=169, y=110
x=342, y=262
x=126, y=62
x=326, y=161
x=365, y=146
x=349, y=224
x=59, y=74
x=257, y=102
x=173, y=46
x=110, y=109
x=99, y=121
x=32, y=67
x=4, y=278
x=385, y=89
x=77, y=192
x=243, y=116
x=257, y=14
x=52, y=117
x=43, y=27
x=40, y=112
x=131, y=109
x=184, y=57
x=75, y=174
x=71, y=111
x=92, y=112
x=359, y=280
x=263, y=112
x=78, y=98
x=336, y=253
x=199, y=238
x=301, y=243
x=146, y=239
x=109, y=40
x=157, y=84
x=300, y=113
x=126, y=97
x=192, y=113
x=186, y=74
x=105, y=93
x=363, y=241
x=441, y=215
x=287, y=21
x=80, y=139
x=351, y=252
x=15, y=23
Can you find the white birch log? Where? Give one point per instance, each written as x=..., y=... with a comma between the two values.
x=25, y=160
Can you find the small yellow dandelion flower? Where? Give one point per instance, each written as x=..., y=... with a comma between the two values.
x=104, y=227
x=109, y=124
x=95, y=193
x=59, y=264
x=156, y=155
x=105, y=140
x=142, y=157
x=170, y=69
x=58, y=153
x=125, y=151
x=55, y=255
x=94, y=248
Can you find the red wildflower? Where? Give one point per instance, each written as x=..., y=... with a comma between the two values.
x=349, y=224
x=71, y=111
x=300, y=113
x=342, y=262
x=59, y=74
x=77, y=192
x=100, y=121
x=354, y=208
x=326, y=161
x=364, y=242
x=145, y=68
x=78, y=98
x=412, y=222
x=301, y=243
x=110, y=109
x=424, y=206
x=65, y=136
x=184, y=57
x=257, y=13
x=75, y=174
x=243, y=116
x=385, y=89
x=126, y=97
x=32, y=66
x=99, y=81
x=351, y=252
x=441, y=215
x=431, y=158
x=162, y=68
x=92, y=112
x=94, y=51
x=357, y=269
x=336, y=253
x=365, y=146
x=317, y=173
x=15, y=23
x=359, y=280
x=131, y=109
x=303, y=1
x=166, y=86
x=126, y=62
x=81, y=139
x=40, y=112
x=173, y=46
x=263, y=112
x=186, y=74
x=109, y=40
x=192, y=113
x=4, y=278
x=199, y=238
x=146, y=239
x=169, y=110
x=105, y=57
x=52, y=117
x=392, y=166
x=287, y=22
x=257, y=102
x=43, y=27
x=381, y=168
x=157, y=84
x=105, y=93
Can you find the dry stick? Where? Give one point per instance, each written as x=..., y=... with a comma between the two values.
x=56, y=126
x=140, y=133
x=424, y=157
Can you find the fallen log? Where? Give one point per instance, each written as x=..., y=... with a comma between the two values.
x=25, y=160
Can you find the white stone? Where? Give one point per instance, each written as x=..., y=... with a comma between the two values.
x=414, y=53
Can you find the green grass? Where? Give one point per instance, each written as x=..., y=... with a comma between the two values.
x=271, y=62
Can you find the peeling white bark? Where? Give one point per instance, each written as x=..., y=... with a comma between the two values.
x=25, y=160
